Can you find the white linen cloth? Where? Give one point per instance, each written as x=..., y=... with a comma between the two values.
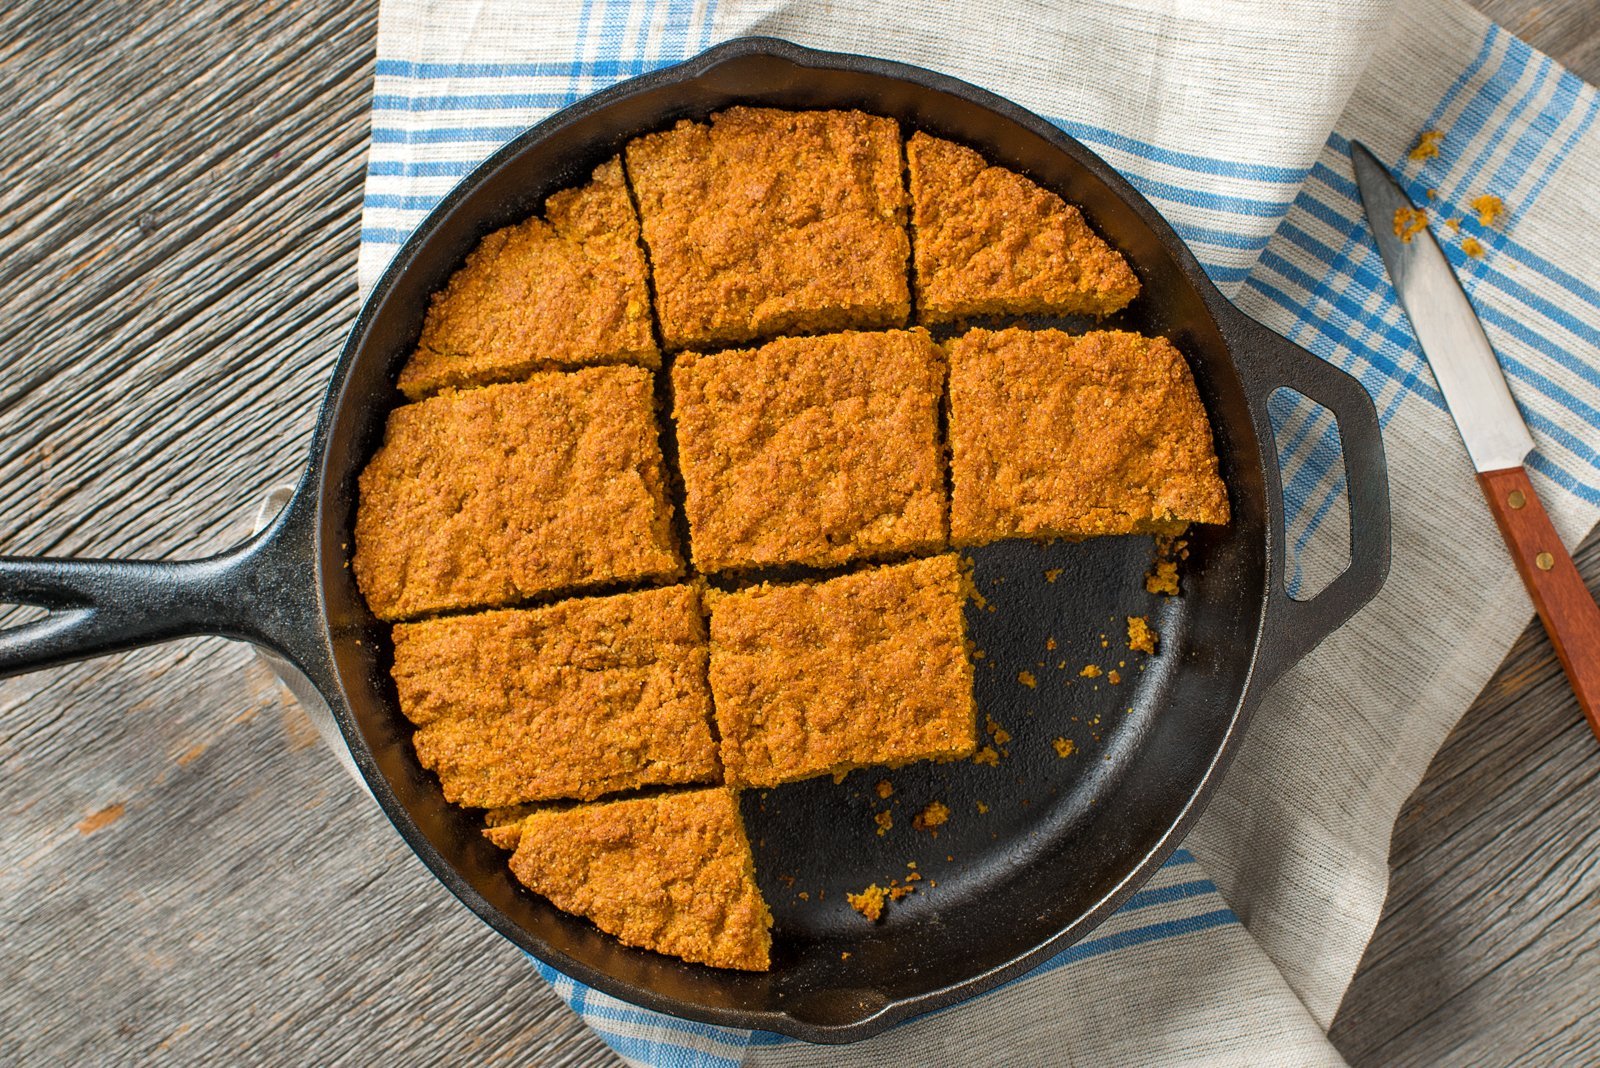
x=1233, y=117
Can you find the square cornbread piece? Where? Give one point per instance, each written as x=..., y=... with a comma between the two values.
x=672, y=873
x=812, y=450
x=819, y=677
x=484, y=497
x=1062, y=435
x=991, y=242
x=564, y=291
x=572, y=700
x=767, y=222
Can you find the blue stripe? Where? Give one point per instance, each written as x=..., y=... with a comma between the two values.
x=436, y=135
x=1223, y=168
x=437, y=168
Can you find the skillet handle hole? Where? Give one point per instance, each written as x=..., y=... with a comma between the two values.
x=13, y=616
x=1316, y=507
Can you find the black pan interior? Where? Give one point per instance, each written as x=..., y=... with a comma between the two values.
x=1063, y=839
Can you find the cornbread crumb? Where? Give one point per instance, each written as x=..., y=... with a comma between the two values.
x=1090, y=671
x=819, y=676
x=489, y=496
x=1427, y=146
x=885, y=788
x=1409, y=222
x=1056, y=435
x=1472, y=247
x=868, y=902
x=1453, y=225
x=1052, y=573
x=1000, y=735
x=987, y=755
x=1141, y=635
x=1114, y=677
x=1050, y=643
x=767, y=222
x=1065, y=747
x=1027, y=679
x=989, y=242
x=812, y=450
x=576, y=699
x=672, y=873
x=983, y=809
x=1489, y=208
x=560, y=292
x=1163, y=578
x=885, y=822
x=936, y=814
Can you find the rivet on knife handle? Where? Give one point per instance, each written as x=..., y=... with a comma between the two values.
x=1565, y=604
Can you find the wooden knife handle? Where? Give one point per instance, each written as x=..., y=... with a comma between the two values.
x=1568, y=609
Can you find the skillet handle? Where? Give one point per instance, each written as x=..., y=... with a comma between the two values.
x=261, y=591
x=1293, y=628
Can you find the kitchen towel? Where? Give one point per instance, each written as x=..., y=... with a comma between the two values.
x=1234, y=119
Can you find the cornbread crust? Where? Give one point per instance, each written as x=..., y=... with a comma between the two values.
x=1057, y=435
x=991, y=242
x=812, y=450
x=573, y=700
x=564, y=291
x=672, y=873
x=486, y=496
x=821, y=677
x=767, y=222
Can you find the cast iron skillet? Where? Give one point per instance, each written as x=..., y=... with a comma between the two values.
x=1064, y=841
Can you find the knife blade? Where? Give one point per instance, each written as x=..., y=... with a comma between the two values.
x=1447, y=328
x=1497, y=438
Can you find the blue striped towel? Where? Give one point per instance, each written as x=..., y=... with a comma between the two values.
x=1234, y=121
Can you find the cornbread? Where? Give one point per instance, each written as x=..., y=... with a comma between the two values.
x=991, y=242
x=1056, y=435
x=820, y=677
x=573, y=700
x=812, y=450
x=671, y=873
x=564, y=291
x=766, y=222
x=487, y=496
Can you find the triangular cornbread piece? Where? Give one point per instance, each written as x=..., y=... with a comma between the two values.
x=990, y=242
x=556, y=293
x=671, y=873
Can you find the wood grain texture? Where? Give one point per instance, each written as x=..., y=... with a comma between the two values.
x=186, y=874
x=1566, y=607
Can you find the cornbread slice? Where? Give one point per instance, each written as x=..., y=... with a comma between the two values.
x=1058, y=435
x=672, y=873
x=564, y=291
x=576, y=699
x=812, y=450
x=482, y=497
x=991, y=242
x=819, y=677
x=767, y=222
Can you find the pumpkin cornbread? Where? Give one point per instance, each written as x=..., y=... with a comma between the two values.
x=991, y=242
x=820, y=677
x=671, y=873
x=564, y=291
x=765, y=222
x=1061, y=435
x=572, y=700
x=486, y=496
x=812, y=450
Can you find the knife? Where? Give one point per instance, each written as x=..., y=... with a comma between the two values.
x=1497, y=439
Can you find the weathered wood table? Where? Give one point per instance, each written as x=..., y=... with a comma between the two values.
x=186, y=873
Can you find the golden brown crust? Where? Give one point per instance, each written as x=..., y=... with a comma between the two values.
x=564, y=291
x=672, y=874
x=820, y=677
x=1057, y=435
x=991, y=242
x=488, y=496
x=767, y=222
x=573, y=700
x=816, y=450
